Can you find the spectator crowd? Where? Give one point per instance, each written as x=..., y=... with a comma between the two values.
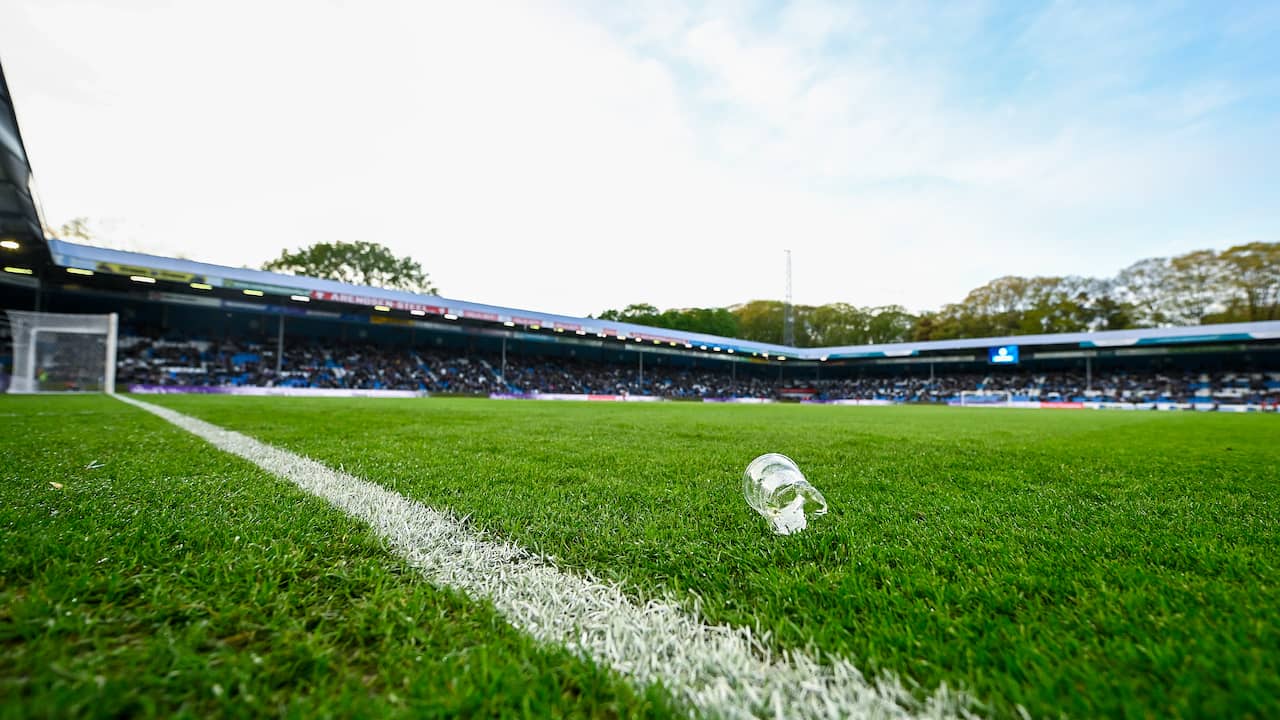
x=146, y=361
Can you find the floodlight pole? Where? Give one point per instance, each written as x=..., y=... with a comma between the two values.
x=788, y=315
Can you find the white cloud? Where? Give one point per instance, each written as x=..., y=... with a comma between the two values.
x=576, y=158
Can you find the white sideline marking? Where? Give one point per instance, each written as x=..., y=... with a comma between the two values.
x=720, y=670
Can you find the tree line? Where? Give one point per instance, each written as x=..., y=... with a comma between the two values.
x=1239, y=284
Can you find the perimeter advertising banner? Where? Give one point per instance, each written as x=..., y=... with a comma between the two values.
x=279, y=391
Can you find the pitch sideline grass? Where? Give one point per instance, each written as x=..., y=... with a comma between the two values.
x=176, y=581
x=1077, y=563
x=717, y=669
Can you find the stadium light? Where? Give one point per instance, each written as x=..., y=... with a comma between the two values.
x=702, y=347
x=79, y=271
x=201, y=286
x=535, y=327
x=688, y=345
x=823, y=358
x=382, y=308
x=17, y=270
x=716, y=348
x=559, y=329
x=622, y=336
x=143, y=279
x=580, y=332
x=600, y=334
x=447, y=316
x=780, y=357
x=508, y=323
x=9, y=244
x=657, y=342
x=252, y=293
x=639, y=339
x=300, y=298
x=419, y=313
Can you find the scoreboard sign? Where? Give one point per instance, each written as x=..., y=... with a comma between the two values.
x=1003, y=355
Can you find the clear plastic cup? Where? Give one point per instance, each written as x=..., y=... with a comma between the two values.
x=774, y=486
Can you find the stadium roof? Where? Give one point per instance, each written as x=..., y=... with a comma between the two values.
x=19, y=213
x=119, y=262
x=176, y=270
x=1227, y=332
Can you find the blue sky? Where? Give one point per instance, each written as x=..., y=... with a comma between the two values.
x=574, y=156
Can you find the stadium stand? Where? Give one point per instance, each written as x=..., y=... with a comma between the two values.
x=150, y=361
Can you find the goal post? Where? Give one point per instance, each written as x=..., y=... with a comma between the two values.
x=55, y=352
x=986, y=398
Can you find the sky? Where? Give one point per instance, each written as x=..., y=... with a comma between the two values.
x=572, y=156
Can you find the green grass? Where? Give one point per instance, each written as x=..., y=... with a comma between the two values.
x=1073, y=563
x=1080, y=563
x=176, y=581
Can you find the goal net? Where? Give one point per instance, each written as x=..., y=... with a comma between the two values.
x=53, y=352
x=986, y=398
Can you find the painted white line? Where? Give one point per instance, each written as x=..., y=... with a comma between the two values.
x=721, y=670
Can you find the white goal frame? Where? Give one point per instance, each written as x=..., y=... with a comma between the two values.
x=26, y=327
x=967, y=398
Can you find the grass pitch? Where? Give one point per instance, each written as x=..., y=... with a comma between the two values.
x=1077, y=563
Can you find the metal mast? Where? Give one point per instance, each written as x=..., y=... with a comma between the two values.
x=788, y=319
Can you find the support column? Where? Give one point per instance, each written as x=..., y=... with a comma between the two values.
x=642, y=370
x=109, y=374
x=1088, y=372
x=503, y=375
x=279, y=348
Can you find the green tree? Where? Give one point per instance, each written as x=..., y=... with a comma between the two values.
x=358, y=263
x=1252, y=273
x=1198, y=284
x=77, y=228
x=712, y=321
x=639, y=313
x=889, y=324
x=761, y=320
x=1144, y=286
x=832, y=325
